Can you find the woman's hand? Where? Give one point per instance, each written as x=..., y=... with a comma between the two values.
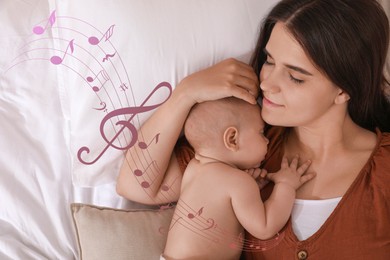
x=225, y=79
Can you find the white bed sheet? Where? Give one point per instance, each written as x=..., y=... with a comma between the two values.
x=50, y=109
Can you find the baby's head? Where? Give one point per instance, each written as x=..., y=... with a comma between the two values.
x=229, y=130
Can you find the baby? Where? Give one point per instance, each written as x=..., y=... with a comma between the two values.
x=219, y=195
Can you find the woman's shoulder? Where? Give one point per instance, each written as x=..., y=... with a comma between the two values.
x=379, y=163
x=384, y=138
x=383, y=146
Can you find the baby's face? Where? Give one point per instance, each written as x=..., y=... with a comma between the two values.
x=253, y=143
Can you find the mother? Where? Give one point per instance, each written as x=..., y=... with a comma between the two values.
x=320, y=65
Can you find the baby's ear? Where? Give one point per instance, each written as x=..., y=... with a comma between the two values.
x=230, y=138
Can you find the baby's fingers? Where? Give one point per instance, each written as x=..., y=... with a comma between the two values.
x=294, y=162
x=254, y=172
x=284, y=163
x=307, y=177
x=303, y=168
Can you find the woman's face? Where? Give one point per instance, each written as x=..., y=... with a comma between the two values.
x=295, y=92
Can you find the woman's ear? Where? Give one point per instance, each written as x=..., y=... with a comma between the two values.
x=342, y=97
x=230, y=138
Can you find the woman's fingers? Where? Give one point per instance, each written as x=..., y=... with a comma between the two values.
x=241, y=93
x=225, y=79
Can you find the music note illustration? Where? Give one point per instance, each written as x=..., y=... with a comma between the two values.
x=107, y=35
x=167, y=206
x=211, y=223
x=103, y=106
x=126, y=124
x=102, y=77
x=174, y=223
x=238, y=242
x=56, y=60
x=166, y=187
x=144, y=146
x=50, y=21
x=138, y=172
x=108, y=56
x=146, y=184
x=198, y=213
x=123, y=87
x=162, y=231
x=260, y=245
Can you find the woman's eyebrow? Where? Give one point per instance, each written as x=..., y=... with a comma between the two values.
x=298, y=69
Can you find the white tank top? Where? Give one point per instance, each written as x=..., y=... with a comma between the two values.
x=309, y=215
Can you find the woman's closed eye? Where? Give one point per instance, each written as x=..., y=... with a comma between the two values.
x=295, y=80
x=268, y=62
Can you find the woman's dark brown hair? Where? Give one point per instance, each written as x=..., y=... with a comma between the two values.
x=348, y=41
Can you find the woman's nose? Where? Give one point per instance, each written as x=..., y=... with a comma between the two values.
x=269, y=82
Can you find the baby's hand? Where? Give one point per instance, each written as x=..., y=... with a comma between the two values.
x=259, y=175
x=291, y=174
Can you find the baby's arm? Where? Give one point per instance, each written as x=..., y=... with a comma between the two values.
x=264, y=220
x=259, y=175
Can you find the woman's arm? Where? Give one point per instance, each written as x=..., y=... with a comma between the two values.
x=152, y=176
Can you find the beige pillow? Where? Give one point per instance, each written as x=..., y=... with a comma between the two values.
x=106, y=233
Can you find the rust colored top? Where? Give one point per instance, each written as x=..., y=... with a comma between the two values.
x=358, y=228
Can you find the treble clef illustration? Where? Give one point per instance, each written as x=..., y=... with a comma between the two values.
x=133, y=111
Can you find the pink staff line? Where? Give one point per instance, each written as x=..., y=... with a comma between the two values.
x=81, y=76
x=146, y=176
x=119, y=57
x=120, y=79
x=204, y=221
x=246, y=244
x=192, y=227
x=97, y=61
x=121, y=61
x=115, y=69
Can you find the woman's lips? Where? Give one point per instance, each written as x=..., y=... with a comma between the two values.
x=267, y=102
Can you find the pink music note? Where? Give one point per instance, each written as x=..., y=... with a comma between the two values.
x=39, y=29
x=107, y=35
x=144, y=146
x=56, y=60
x=211, y=224
x=174, y=223
x=166, y=187
x=145, y=184
x=126, y=124
x=108, y=56
x=164, y=207
x=162, y=231
x=238, y=242
x=102, y=76
x=191, y=216
x=138, y=172
x=103, y=106
x=123, y=86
